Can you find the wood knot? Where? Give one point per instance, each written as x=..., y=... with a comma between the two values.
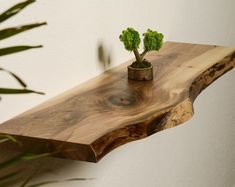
x=122, y=99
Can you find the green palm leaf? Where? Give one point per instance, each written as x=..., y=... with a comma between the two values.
x=32, y=156
x=6, y=33
x=5, y=138
x=21, y=82
x=16, y=49
x=14, y=10
x=22, y=157
x=2, y=140
x=18, y=91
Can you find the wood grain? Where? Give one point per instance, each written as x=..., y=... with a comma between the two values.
x=89, y=121
x=140, y=74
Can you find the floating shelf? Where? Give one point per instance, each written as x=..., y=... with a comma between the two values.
x=107, y=111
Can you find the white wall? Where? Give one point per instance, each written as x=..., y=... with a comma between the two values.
x=199, y=153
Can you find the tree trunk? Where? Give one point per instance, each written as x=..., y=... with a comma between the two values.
x=137, y=56
x=143, y=54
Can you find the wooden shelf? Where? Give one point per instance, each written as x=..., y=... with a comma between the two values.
x=103, y=113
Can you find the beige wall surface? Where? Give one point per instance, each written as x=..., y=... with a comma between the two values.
x=199, y=153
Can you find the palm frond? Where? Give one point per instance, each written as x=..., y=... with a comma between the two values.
x=17, y=78
x=18, y=91
x=15, y=10
x=16, y=49
x=22, y=157
x=6, y=33
x=5, y=137
x=13, y=139
x=32, y=156
x=2, y=140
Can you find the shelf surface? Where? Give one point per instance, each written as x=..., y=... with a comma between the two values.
x=90, y=120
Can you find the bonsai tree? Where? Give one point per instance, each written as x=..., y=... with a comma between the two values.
x=153, y=41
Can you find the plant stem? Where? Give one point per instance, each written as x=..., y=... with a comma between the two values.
x=143, y=54
x=137, y=56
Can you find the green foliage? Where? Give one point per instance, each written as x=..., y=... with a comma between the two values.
x=18, y=91
x=152, y=40
x=12, y=31
x=8, y=178
x=16, y=49
x=18, y=79
x=6, y=33
x=131, y=39
x=15, y=10
x=5, y=138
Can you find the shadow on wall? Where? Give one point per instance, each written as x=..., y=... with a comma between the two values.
x=104, y=56
x=22, y=170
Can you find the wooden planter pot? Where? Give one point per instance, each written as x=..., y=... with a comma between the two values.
x=140, y=74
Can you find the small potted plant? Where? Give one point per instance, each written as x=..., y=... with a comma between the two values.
x=141, y=69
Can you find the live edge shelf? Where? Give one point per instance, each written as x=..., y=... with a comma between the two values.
x=107, y=111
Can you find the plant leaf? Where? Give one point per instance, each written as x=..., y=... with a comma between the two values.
x=22, y=157
x=31, y=156
x=14, y=10
x=6, y=33
x=22, y=83
x=5, y=138
x=18, y=91
x=10, y=138
x=16, y=49
x=2, y=140
x=79, y=179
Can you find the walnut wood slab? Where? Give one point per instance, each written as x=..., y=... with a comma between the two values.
x=92, y=119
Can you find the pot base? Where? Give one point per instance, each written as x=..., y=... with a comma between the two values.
x=140, y=74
